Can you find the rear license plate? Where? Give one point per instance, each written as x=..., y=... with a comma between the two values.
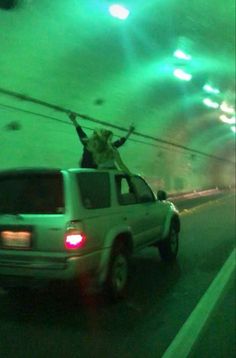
x=16, y=239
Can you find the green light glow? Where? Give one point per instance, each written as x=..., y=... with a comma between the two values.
x=119, y=11
x=208, y=88
x=209, y=103
x=182, y=75
x=211, y=139
x=181, y=55
x=233, y=128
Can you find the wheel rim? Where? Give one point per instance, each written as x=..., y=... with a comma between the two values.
x=119, y=273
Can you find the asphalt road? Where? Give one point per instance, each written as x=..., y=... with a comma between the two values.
x=60, y=323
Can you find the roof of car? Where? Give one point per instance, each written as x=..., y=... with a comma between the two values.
x=47, y=170
x=30, y=170
x=91, y=170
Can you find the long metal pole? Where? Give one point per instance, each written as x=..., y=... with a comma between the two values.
x=91, y=119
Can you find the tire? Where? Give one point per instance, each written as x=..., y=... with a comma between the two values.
x=169, y=247
x=118, y=273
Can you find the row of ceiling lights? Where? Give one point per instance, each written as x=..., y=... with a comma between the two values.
x=228, y=112
x=121, y=12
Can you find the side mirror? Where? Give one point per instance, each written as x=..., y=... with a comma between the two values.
x=161, y=195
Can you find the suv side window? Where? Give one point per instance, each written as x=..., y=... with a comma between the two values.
x=95, y=190
x=125, y=192
x=143, y=191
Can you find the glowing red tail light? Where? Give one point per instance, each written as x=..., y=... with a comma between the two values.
x=74, y=239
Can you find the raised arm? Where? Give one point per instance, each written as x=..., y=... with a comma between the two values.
x=82, y=135
x=118, y=143
x=130, y=131
x=72, y=117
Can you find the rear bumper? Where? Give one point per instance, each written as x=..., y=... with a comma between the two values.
x=46, y=268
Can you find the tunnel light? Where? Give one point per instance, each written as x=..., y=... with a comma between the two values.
x=182, y=56
x=228, y=120
x=209, y=103
x=233, y=128
x=182, y=75
x=119, y=11
x=208, y=88
x=226, y=108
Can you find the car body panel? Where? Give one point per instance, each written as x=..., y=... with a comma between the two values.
x=46, y=259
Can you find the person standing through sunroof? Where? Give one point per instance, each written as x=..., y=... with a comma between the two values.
x=99, y=151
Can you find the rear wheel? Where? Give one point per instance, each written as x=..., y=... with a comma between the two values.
x=169, y=247
x=117, y=278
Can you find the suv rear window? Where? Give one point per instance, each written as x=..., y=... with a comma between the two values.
x=94, y=190
x=31, y=193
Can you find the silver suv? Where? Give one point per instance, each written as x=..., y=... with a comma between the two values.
x=79, y=223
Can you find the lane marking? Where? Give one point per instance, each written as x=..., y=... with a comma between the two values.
x=185, y=211
x=189, y=211
x=191, y=329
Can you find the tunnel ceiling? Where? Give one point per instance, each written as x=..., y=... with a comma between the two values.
x=74, y=54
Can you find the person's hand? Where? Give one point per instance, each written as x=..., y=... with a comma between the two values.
x=131, y=128
x=72, y=116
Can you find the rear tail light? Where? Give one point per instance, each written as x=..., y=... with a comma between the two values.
x=74, y=237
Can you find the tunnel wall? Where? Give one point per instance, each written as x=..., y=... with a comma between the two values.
x=28, y=140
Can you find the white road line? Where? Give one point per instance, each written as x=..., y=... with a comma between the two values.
x=185, y=212
x=189, y=332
